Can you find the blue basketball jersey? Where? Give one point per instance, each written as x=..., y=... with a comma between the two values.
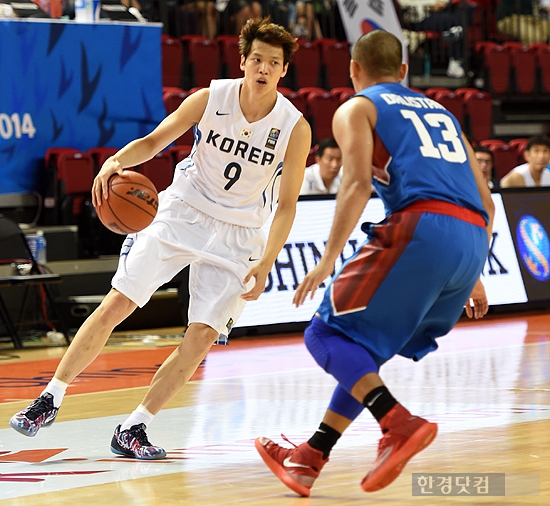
x=419, y=153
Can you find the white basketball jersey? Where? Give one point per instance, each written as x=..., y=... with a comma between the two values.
x=233, y=172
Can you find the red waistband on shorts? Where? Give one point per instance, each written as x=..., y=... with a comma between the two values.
x=447, y=208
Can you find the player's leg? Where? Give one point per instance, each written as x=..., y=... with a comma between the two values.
x=404, y=433
x=130, y=438
x=298, y=468
x=215, y=286
x=443, y=272
x=366, y=311
x=359, y=386
x=136, y=279
x=85, y=347
x=176, y=370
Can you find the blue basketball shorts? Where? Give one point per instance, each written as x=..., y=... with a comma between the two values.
x=408, y=283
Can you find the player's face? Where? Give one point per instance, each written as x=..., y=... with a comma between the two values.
x=330, y=162
x=264, y=65
x=538, y=157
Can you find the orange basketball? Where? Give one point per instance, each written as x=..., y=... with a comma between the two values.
x=132, y=203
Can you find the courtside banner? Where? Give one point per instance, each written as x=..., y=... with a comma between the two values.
x=306, y=243
x=529, y=221
x=66, y=84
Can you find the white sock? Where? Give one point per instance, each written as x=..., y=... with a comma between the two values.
x=57, y=388
x=140, y=415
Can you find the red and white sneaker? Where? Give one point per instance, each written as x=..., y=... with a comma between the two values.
x=405, y=435
x=297, y=468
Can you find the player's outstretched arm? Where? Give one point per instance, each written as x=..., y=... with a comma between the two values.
x=291, y=181
x=140, y=150
x=352, y=127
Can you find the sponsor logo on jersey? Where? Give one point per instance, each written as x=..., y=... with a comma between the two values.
x=272, y=138
x=246, y=133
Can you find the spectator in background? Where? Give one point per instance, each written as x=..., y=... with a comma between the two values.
x=522, y=20
x=440, y=16
x=485, y=159
x=243, y=10
x=535, y=172
x=306, y=8
x=207, y=16
x=299, y=30
x=324, y=176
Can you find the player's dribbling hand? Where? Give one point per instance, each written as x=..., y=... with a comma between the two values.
x=311, y=282
x=478, y=298
x=100, y=188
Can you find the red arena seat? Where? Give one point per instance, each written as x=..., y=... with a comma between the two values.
x=524, y=67
x=321, y=109
x=160, y=170
x=335, y=60
x=305, y=66
x=505, y=159
x=230, y=56
x=543, y=65
x=478, y=113
x=172, y=60
x=452, y=102
x=497, y=64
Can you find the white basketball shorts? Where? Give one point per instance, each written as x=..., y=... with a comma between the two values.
x=219, y=254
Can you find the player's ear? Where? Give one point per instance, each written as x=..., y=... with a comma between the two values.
x=285, y=70
x=243, y=59
x=354, y=68
x=403, y=71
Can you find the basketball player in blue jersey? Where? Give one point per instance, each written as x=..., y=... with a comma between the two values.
x=408, y=283
x=250, y=151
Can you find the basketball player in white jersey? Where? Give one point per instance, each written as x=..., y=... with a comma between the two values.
x=250, y=151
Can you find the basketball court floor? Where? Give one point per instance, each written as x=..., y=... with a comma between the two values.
x=488, y=388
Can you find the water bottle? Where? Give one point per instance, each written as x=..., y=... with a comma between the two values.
x=37, y=245
x=40, y=247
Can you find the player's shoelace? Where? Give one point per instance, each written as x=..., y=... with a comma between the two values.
x=288, y=441
x=138, y=433
x=41, y=406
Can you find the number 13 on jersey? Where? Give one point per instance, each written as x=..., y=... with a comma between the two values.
x=454, y=153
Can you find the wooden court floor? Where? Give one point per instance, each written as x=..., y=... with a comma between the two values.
x=488, y=388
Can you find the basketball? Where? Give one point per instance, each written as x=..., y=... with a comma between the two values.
x=132, y=203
